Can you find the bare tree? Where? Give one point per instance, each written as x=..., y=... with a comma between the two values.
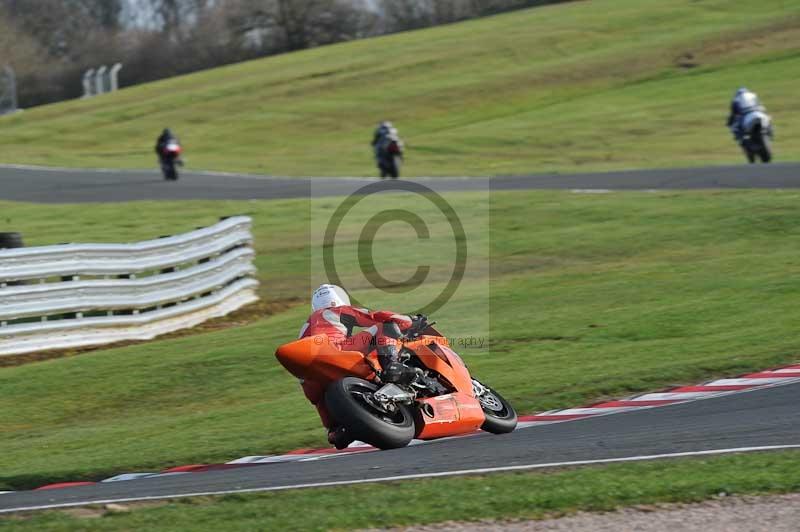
x=293, y=17
x=61, y=25
x=16, y=46
x=177, y=17
x=52, y=42
x=402, y=15
x=106, y=13
x=270, y=26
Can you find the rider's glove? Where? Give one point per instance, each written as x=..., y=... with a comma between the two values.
x=418, y=323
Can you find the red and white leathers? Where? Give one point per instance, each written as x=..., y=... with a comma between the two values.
x=337, y=324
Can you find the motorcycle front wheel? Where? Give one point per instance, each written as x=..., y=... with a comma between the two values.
x=351, y=403
x=500, y=415
x=766, y=150
x=748, y=152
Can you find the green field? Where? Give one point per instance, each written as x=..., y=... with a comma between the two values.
x=580, y=86
x=591, y=296
x=506, y=496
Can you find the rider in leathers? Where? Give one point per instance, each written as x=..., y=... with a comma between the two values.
x=334, y=317
x=381, y=137
x=743, y=103
x=165, y=138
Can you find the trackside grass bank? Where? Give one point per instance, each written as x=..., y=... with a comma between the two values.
x=596, y=85
x=590, y=297
x=502, y=496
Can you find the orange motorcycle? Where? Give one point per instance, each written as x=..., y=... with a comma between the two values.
x=441, y=399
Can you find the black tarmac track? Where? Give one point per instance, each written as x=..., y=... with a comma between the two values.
x=78, y=186
x=764, y=417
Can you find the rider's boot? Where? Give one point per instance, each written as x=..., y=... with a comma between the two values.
x=339, y=438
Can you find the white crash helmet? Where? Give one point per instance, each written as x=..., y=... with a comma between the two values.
x=329, y=295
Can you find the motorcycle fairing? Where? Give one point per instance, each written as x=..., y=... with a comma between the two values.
x=750, y=119
x=316, y=359
x=448, y=415
x=437, y=356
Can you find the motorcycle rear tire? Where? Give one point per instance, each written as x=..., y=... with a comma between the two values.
x=394, y=167
x=365, y=423
x=169, y=171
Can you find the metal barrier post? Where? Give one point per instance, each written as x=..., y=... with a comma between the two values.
x=8, y=90
x=114, y=75
x=88, y=88
x=98, y=79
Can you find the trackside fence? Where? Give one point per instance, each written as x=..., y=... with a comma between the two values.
x=76, y=295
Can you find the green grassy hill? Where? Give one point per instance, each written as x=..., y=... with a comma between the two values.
x=580, y=86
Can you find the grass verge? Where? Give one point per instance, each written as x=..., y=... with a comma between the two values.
x=579, y=86
x=501, y=496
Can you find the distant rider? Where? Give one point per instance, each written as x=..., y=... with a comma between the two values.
x=334, y=317
x=161, y=143
x=384, y=133
x=164, y=139
x=744, y=102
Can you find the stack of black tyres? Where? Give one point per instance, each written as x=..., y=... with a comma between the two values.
x=11, y=240
x=8, y=241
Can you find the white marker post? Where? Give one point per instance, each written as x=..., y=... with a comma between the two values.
x=99, y=80
x=88, y=77
x=11, y=81
x=114, y=75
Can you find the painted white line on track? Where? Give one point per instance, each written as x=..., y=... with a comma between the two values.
x=478, y=471
x=681, y=396
x=266, y=459
x=746, y=381
x=596, y=410
x=130, y=476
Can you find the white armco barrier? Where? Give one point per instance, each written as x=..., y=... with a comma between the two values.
x=72, y=295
